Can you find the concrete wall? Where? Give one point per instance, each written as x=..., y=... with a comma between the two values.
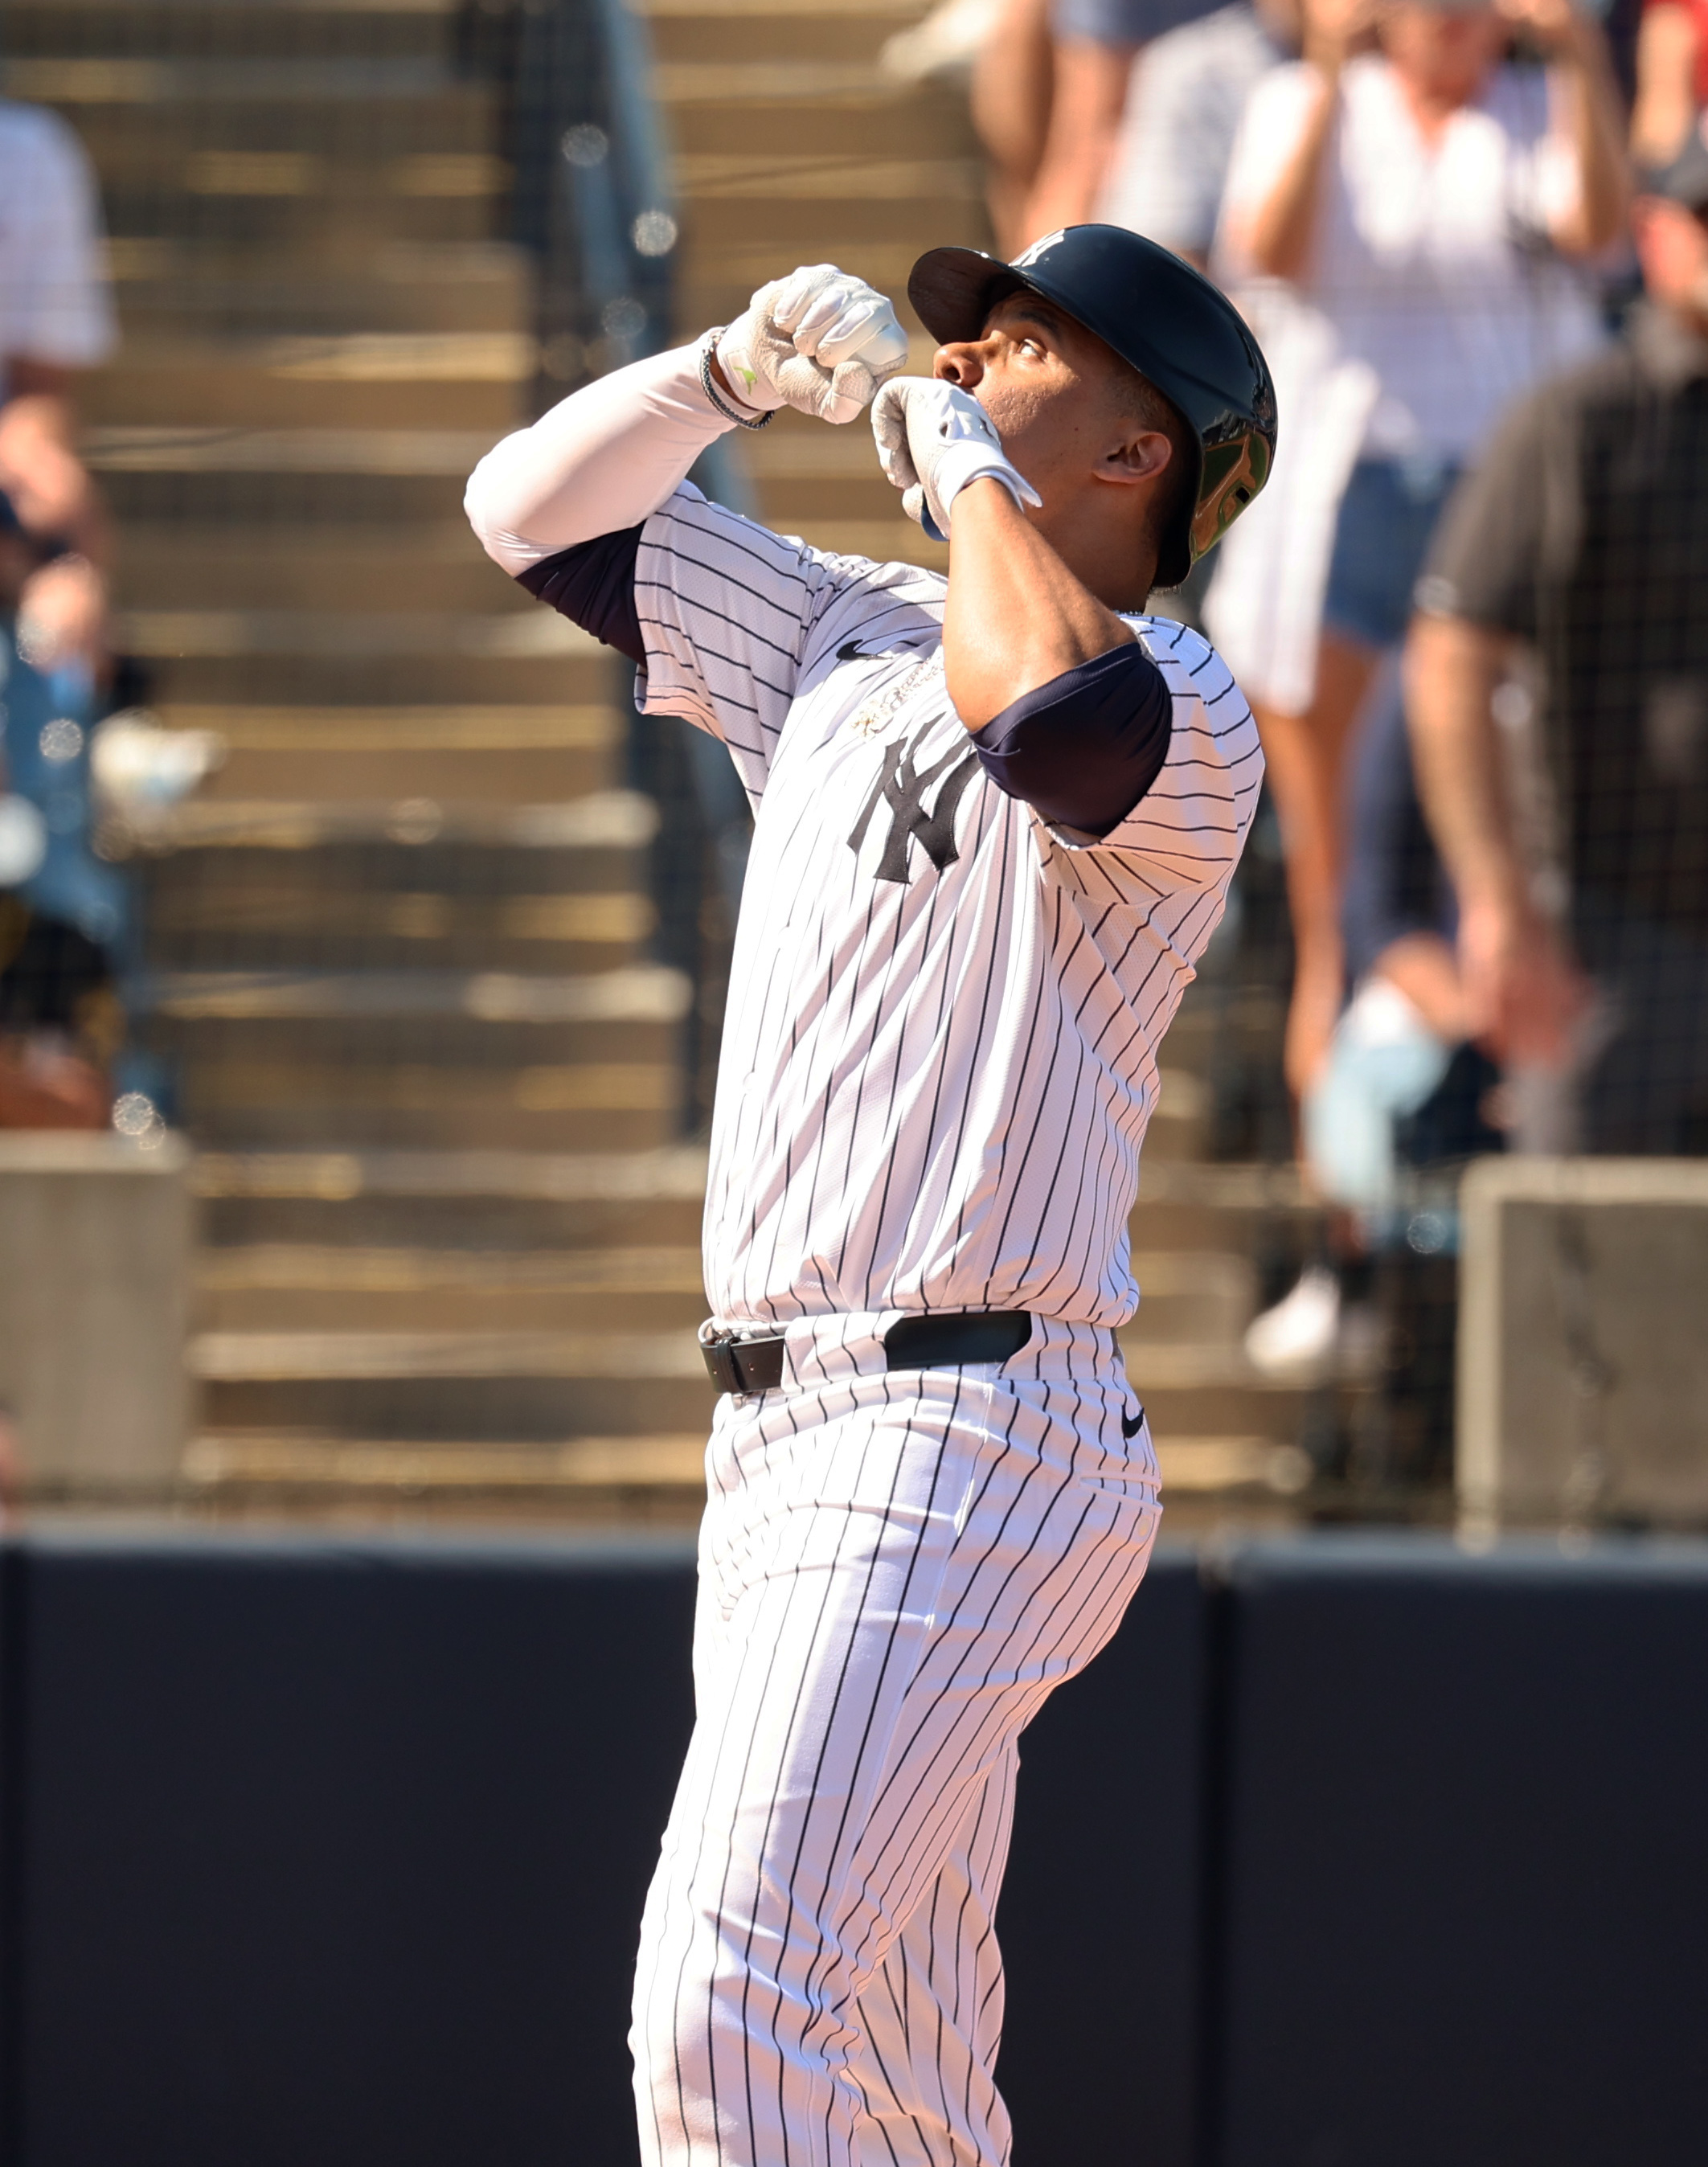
x=1583, y=1342
x=95, y=1240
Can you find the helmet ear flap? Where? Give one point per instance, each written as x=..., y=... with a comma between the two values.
x=1231, y=474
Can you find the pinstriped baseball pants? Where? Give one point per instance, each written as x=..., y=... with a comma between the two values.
x=895, y=1571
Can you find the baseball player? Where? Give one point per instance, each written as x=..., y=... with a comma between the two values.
x=995, y=820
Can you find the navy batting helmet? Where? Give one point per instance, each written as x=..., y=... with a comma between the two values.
x=1159, y=313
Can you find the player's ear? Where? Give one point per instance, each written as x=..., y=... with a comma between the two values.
x=1134, y=455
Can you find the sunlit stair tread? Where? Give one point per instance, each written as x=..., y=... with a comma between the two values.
x=638, y=993
x=671, y=1172
x=602, y=820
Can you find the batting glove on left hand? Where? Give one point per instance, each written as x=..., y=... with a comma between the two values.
x=819, y=339
x=933, y=439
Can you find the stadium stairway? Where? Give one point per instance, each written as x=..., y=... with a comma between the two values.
x=399, y=940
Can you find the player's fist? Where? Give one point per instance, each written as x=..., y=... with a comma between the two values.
x=817, y=340
x=933, y=439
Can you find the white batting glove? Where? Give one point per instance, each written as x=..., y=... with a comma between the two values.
x=933, y=439
x=819, y=339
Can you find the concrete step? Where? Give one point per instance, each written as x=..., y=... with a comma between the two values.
x=485, y=755
x=759, y=38
x=488, y=1201
x=207, y=926
x=252, y=220
x=498, y=1021
x=613, y=1105
x=241, y=476
x=458, y=380
x=1199, y=1297
x=234, y=29
x=128, y=106
x=580, y=1481
x=800, y=110
x=458, y=1391
x=170, y=286
x=517, y=654
x=728, y=187
x=372, y=1013
x=409, y=675
x=176, y=171
x=429, y=566
x=1232, y=1208
x=569, y=913
x=299, y=1286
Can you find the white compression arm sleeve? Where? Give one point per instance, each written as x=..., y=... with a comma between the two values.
x=600, y=461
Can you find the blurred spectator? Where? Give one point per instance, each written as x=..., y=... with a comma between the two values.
x=1013, y=83
x=1001, y=51
x=56, y=316
x=58, y=905
x=1176, y=136
x=1400, y=222
x=1093, y=45
x=1583, y=534
x=1671, y=78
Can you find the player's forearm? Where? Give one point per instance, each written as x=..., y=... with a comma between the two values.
x=1452, y=669
x=602, y=460
x=1015, y=617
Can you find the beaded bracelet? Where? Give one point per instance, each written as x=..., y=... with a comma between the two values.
x=708, y=385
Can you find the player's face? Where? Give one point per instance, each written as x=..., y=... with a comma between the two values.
x=1052, y=389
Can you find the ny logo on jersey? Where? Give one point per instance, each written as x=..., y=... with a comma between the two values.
x=902, y=787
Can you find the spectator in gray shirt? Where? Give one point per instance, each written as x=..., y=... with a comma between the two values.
x=1188, y=91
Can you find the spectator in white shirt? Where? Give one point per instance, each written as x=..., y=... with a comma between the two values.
x=56, y=318
x=1402, y=224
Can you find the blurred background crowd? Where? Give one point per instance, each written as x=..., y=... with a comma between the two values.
x=1470, y=612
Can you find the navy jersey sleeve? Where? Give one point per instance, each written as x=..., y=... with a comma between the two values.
x=593, y=585
x=1084, y=749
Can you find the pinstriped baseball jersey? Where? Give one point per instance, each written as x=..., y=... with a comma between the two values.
x=940, y=1047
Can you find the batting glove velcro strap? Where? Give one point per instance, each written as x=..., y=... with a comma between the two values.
x=933, y=439
x=819, y=341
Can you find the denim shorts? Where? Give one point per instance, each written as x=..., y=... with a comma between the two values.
x=1387, y=517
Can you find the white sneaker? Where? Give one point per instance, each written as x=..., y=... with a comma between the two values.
x=944, y=45
x=1296, y=1339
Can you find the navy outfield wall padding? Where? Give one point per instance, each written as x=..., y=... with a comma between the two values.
x=1100, y=1912
x=332, y=1854
x=1466, y=1901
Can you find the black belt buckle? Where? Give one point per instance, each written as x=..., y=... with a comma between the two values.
x=721, y=1365
x=745, y=1366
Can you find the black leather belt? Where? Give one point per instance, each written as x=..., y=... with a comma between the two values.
x=941, y=1341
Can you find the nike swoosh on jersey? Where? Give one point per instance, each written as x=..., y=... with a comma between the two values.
x=851, y=650
x=1133, y=1428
